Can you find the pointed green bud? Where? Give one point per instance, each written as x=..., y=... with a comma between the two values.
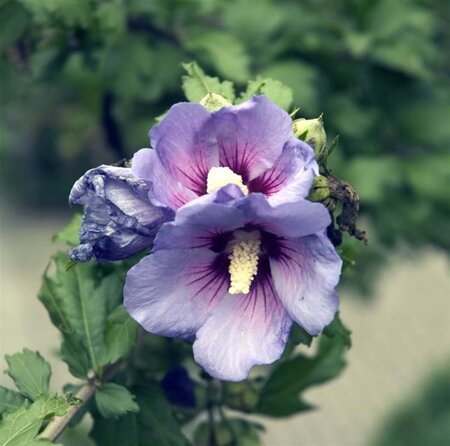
x=320, y=189
x=312, y=132
x=214, y=102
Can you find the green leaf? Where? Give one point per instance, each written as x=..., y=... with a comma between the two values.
x=77, y=301
x=84, y=306
x=69, y=234
x=30, y=371
x=196, y=85
x=75, y=356
x=20, y=427
x=300, y=336
x=338, y=329
x=10, y=400
x=273, y=89
x=114, y=400
x=120, y=334
x=156, y=419
x=225, y=52
x=124, y=431
x=280, y=395
x=155, y=423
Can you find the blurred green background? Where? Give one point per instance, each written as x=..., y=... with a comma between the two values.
x=82, y=80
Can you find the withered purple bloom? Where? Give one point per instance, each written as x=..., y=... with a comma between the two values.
x=119, y=219
x=233, y=272
x=252, y=145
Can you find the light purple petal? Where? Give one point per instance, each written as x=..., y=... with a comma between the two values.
x=164, y=189
x=291, y=176
x=251, y=136
x=172, y=292
x=288, y=220
x=203, y=222
x=186, y=145
x=305, y=274
x=243, y=331
x=119, y=220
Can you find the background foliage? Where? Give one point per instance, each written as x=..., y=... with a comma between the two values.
x=83, y=81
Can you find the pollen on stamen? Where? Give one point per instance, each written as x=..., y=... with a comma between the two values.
x=221, y=176
x=243, y=266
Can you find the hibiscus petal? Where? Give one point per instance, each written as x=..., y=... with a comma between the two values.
x=289, y=219
x=243, y=331
x=305, y=274
x=165, y=190
x=251, y=136
x=119, y=220
x=291, y=176
x=172, y=292
x=204, y=222
x=186, y=145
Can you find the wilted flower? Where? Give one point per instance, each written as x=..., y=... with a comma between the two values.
x=119, y=219
x=233, y=272
x=251, y=145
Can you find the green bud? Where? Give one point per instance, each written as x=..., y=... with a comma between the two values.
x=214, y=102
x=320, y=189
x=312, y=132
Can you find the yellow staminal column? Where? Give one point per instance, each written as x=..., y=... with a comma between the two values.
x=221, y=176
x=243, y=266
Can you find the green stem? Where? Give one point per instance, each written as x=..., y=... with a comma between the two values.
x=56, y=427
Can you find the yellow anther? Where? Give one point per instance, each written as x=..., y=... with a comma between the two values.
x=221, y=176
x=243, y=266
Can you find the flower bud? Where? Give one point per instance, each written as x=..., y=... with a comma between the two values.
x=320, y=189
x=119, y=219
x=214, y=102
x=312, y=132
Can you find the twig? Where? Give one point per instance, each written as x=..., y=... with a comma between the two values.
x=56, y=427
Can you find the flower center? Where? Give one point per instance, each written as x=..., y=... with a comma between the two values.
x=243, y=266
x=221, y=176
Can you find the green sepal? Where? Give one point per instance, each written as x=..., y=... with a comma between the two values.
x=312, y=132
x=320, y=189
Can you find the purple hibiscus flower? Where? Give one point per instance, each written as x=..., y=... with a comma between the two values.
x=119, y=219
x=251, y=145
x=232, y=272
